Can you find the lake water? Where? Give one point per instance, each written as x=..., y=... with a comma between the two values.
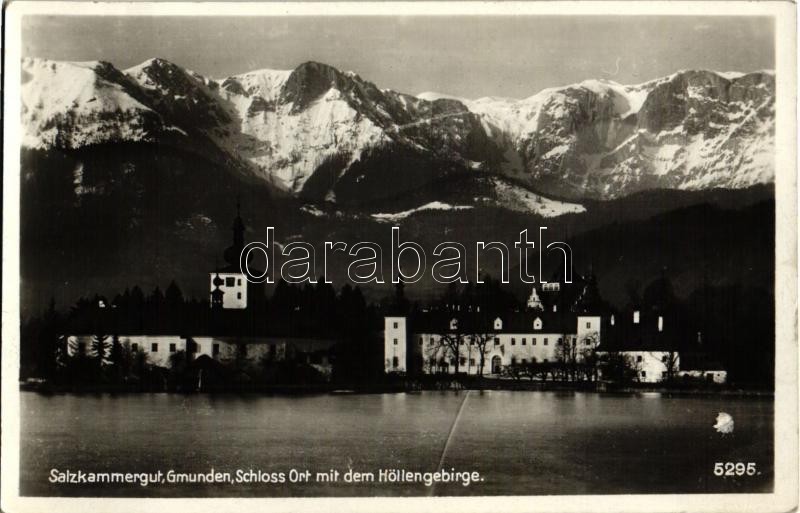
x=521, y=443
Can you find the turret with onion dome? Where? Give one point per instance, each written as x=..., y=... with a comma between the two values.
x=216, y=293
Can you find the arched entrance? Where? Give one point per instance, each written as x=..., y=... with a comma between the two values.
x=497, y=364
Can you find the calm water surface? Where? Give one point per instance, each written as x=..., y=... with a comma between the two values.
x=520, y=442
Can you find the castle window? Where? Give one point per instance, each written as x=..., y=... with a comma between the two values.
x=497, y=341
x=395, y=325
x=639, y=358
x=420, y=340
x=636, y=317
x=524, y=361
x=537, y=324
x=215, y=349
x=498, y=324
x=239, y=281
x=660, y=323
x=533, y=360
x=545, y=341
x=472, y=361
x=533, y=341
x=172, y=348
x=238, y=295
x=513, y=360
x=81, y=347
x=395, y=341
x=395, y=362
x=545, y=360
x=558, y=341
x=588, y=325
x=513, y=341
x=134, y=347
x=154, y=348
x=230, y=282
x=644, y=374
x=523, y=341
x=463, y=361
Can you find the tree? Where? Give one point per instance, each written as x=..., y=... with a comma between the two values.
x=670, y=360
x=567, y=356
x=173, y=297
x=588, y=358
x=450, y=342
x=618, y=367
x=100, y=349
x=48, y=341
x=481, y=342
x=116, y=357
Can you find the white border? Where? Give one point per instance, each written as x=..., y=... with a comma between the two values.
x=785, y=496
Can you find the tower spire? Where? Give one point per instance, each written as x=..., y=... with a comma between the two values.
x=233, y=253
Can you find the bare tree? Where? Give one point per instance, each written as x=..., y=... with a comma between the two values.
x=567, y=357
x=481, y=342
x=450, y=342
x=100, y=348
x=588, y=355
x=670, y=361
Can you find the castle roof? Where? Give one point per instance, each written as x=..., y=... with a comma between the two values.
x=476, y=322
x=646, y=334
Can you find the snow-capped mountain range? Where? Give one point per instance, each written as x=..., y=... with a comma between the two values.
x=324, y=134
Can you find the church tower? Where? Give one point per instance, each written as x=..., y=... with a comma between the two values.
x=534, y=303
x=228, y=284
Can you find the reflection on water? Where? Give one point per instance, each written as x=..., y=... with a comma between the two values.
x=521, y=442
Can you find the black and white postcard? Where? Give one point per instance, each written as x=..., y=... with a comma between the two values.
x=399, y=256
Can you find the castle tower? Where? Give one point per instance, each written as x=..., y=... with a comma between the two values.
x=229, y=286
x=534, y=303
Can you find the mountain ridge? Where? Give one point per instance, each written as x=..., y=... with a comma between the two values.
x=318, y=128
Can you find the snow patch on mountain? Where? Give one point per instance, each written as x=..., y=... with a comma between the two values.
x=433, y=205
x=519, y=199
x=432, y=96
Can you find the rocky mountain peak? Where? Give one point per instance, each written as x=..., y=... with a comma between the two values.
x=694, y=129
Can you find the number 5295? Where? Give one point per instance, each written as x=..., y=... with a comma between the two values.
x=730, y=468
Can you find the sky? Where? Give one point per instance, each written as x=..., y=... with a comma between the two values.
x=469, y=57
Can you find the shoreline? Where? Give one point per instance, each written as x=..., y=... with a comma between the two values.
x=411, y=387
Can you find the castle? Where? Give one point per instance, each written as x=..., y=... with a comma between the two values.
x=233, y=332
x=462, y=339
